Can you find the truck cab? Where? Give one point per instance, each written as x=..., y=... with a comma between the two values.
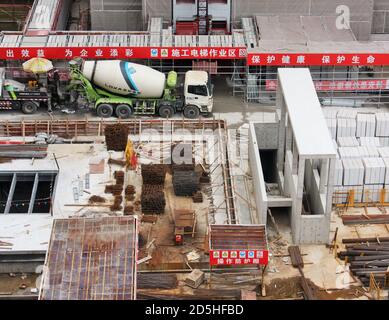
x=198, y=91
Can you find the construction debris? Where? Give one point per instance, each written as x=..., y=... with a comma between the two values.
x=118, y=162
x=96, y=199
x=128, y=210
x=195, y=278
x=297, y=262
x=198, y=197
x=205, y=178
x=116, y=136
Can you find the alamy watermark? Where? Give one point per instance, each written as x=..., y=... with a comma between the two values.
x=343, y=17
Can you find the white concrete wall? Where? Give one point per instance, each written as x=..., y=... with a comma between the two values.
x=257, y=175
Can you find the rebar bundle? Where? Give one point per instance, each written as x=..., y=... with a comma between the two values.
x=119, y=176
x=116, y=136
x=153, y=174
x=153, y=199
x=186, y=183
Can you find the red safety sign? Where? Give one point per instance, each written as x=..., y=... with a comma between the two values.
x=341, y=85
x=124, y=53
x=238, y=257
x=317, y=59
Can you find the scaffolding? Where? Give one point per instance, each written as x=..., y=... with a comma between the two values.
x=335, y=86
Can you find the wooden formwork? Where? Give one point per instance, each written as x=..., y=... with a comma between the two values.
x=73, y=128
x=91, y=259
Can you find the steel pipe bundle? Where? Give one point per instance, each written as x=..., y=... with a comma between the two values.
x=366, y=259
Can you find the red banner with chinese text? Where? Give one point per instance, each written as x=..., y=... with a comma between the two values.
x=64, y=53
x=238, y=257
x=341, y=85
x=318, y=59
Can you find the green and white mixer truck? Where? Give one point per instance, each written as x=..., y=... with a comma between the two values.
x=122, y=88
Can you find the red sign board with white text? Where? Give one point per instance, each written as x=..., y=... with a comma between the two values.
x=64, y=53
x=317, y=59
x=238, y=257
x=341, y=85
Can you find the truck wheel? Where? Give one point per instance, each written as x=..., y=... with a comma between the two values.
x=104, y=110
x=123, y=111
x=191, y=112
x=29, y=107
x=166, y=111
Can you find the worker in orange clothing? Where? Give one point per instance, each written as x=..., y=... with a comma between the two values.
x=131, y=158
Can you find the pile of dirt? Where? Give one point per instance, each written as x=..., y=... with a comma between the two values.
x=96, y=199
x=284, y=288
x=128, y=210
x=351, y=293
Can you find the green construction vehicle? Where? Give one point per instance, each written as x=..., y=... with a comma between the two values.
x=122, y=89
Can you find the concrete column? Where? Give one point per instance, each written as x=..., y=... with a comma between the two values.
x=280, y=104
x=297, y=202
x=323, y=175
x=330, y=186
x=295, y=157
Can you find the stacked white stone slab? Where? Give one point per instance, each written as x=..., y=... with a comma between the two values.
x=383, y=152
x=366, y=124
x=386, y=182
x=346, y=127
x=368, y=151
x=332, y=126
x=338, y=177
x=363, y=153
x=348, y=142
x=349, y=152
x=353, y=172
x=382, y=124
x=370, y=141
x=374, y=171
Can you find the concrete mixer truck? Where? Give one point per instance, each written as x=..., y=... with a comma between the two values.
x=122, y=88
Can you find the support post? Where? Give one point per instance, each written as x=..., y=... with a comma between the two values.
x=10, y=194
